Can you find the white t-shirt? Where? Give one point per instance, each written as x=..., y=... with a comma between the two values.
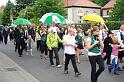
x=119, y=37
x=69, y=49
x=91, y=53
x=38, y=37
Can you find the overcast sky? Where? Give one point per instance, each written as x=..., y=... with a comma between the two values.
x=3, y=2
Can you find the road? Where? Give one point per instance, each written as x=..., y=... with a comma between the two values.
x=41, y=69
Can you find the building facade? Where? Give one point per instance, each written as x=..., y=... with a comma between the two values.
x=107, y=9
x=76, y=9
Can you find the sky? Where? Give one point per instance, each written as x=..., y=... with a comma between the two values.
x=3, y=2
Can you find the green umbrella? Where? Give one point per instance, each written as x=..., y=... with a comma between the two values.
x=48, y=18
x=21, y=21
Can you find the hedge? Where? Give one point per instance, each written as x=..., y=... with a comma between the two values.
x=112, y=25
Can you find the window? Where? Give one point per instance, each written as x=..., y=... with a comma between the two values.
x=107, y=12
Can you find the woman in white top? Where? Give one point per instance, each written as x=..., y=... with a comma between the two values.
x=38, y=39
x=93, y=45
x=69, y=50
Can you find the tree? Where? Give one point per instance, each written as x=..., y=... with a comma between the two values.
x=45, y=6
x=117, y=13
x=40, y=8
x=22, y=4
x=26, y=13
x=7, y=13
x=1, y=15
x=101, y=2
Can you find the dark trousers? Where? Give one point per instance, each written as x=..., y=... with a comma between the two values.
x=38, y=44
x=21, y=47
x=72, y=58
x=5, y=39
x=55, y=50
x=108, y=57
x=17, y=45
x=93, y=60
x=44, y=48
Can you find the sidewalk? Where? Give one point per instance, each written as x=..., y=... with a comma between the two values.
x=11, y=72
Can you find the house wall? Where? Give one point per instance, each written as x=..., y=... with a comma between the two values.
x=106, y=12
x=76, y=13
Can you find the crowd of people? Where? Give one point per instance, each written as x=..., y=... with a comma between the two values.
x=101, y=44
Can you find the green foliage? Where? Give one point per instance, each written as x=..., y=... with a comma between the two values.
x=112, y=25
x=35, y=21
x=45, y=6
x=22, y=4
x=101, y=2
x=26, y=13
x=86, y=25
x=1, y=15
x=8, y=11
x=117, y=13
x=40, y=8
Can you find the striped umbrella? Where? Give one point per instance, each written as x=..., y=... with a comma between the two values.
x=48, y=18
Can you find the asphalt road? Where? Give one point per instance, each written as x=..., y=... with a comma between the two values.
x=41, y=69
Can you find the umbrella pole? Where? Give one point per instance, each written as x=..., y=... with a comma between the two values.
x=106, y=27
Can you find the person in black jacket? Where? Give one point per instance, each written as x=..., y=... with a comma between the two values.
x=1, y=36
x=5, y=35
x=107, y=47
x=20, y=43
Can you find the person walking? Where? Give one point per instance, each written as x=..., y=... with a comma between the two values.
x=69, y=50
x=93, y=45
x=43, y=45
x=107, y=48
x=79, y=41
x=114, y=56
x=38, y=39
x=5, y=35
x=120, y=37
x=52, y=44
x=29, y=41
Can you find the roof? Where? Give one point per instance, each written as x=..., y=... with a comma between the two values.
x=81, y=3
x=110, y=4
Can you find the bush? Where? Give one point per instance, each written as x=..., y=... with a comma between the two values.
x=112, y=25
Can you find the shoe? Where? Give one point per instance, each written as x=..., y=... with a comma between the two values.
x=110, y=70
x=121, y=61
x=78, y=62
x=53, y=65
x=116, y=73
x=119, y=69
x=20, y=55
x=122, y=67
x=66, y=72
x=31, y=54
x=94, y=81
x=41, y=56
x=59, y=66
x=77, y=74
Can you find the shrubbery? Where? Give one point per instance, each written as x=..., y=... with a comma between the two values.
x=112, y=25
